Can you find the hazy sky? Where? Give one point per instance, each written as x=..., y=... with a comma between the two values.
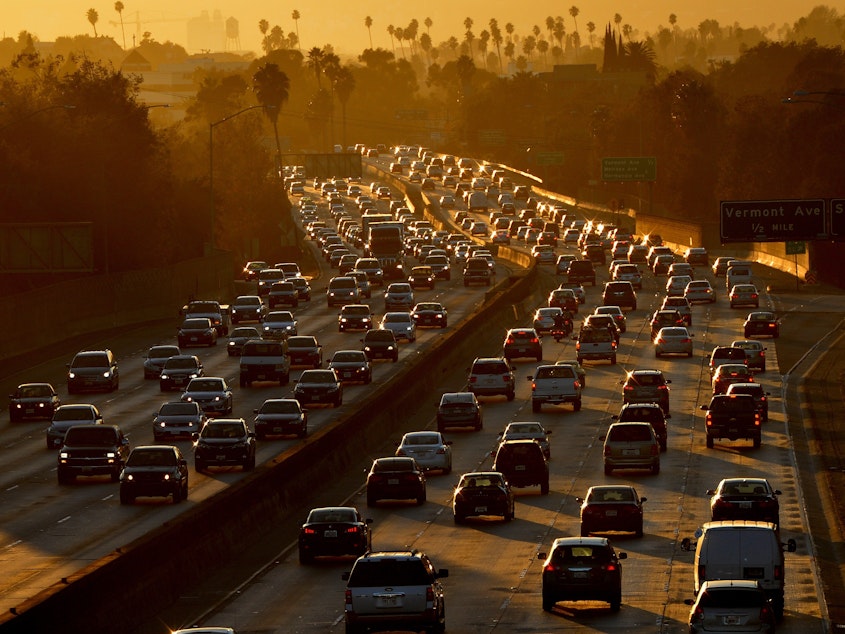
x=341, y=24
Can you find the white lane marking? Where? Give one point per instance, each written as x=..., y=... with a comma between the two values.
x=64, y=519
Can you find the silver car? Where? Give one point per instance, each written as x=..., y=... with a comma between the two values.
x=399, y=295
x=402, y=325
x=700, y=291
x=673, y=340
x=736, y=605
x=528, y=430
x=429, y=450
x=279, y=324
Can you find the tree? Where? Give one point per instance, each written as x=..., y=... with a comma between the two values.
x=392, y=30
x=469, y=36
x=550, y=26
x=639, y=56
x=93, y=17
x=344, y=84
x=496, y=36
x=295, y=15
x=483, y=41
x=453, y=44
x=399, y=33
x=591, y=28
x=627, y=29
x=617, y=20
x=559, y=31
x=272, y=88
x=543, y=48
x=368, y=22
x=118, y=6
x=425, y=44
x=574, y=11
x=428, y=24
x=315, y=63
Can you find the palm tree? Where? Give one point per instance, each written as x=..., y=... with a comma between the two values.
x=118, y=6
x=509, y=29
x=344, y=84
x=543, y=48
x=496, y=36
x=392, y=29
x=639, y=56
x=271, y=87
x=617, y=20
x=428, y=24
x=510, y=50
x=465, y=69
x=295, y=15
x=627, y=29
x=453, y=44
x=591, y=28
x=574, y=11
x=469, y=36
x=399, y=32
x=550, y=26
x=315, y=63
x=483, y=40
x=559, y=31
x=425, y=45
x=368, y=22
x=528, y=45
x=93, y=16
x=468, y=23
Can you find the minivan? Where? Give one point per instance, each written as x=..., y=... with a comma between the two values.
x=738, y=273
x=742, y=549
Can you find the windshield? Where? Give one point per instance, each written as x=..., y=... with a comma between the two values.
x=90, y=361
x=281, y=406
x=351, y=356
x=223, y=430
x=73, y=413
x=178, y=409
x=205, y=385
x=151, y=458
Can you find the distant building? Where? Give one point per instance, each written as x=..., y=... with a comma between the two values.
x=207, y=34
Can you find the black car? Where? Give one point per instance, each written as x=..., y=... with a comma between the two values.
x=522, y=342
x=761, y=323
x=620, y=294
x=224, y=442
x=334, y=531
x=355, y=317
x=381, y=344
x=154, y=471
x=459, y=409
x=396, y=478
x=283, y=294
x=178, y=371
x=92, y=450
x=280, y=417
x=482, y=493
x=155, y=359
x=745, y=499
x=431, y=314
x=319, y=387
x=664, y=319
x=352, y=365
x=303, y=288
x=196, y=331
x=646, y=386
x=582, y=569
x=178, y=419
x=613, y=507
x=305, y=350
x=34, y=401
x=94, y=370
x=523, y=464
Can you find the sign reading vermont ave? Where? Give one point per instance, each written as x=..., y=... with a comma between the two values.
x=629, y=168
x=772, y=220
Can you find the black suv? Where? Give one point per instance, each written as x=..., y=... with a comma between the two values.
x=224, y=442
x=523, y=464
x=620, y=294
x=94, y=370
x=33, y=400
x=581, y=272
x=649, y=413
x=395, y=591
x=395, y=478
x=582, y=569
x=154, y=470
x=90, y=450
x=646, y=386
x=380, y=344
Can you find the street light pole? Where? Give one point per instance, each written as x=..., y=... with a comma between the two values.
x=211, y=127
x=32, y=114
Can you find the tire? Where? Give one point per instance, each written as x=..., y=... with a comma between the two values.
x=535, y=406
x=305, y=559
x=371, y=500
x=177, y=494
x=65, y=478
x=421, y=499
x=544, y=487
x=260, y=435
x=285, y=379
x=613, y=360
x=479, y=426
x=655, y=468
x=585, y=532
x=709, y=442
x=511, y=396
x=616, y=602
x=199, y=467
x=548, y=604
x=458, y=519
x=249, y=465
x=639, y=531
x=244, y=382
x=577, y=405
x=125, y=498
x=303, y=433
x=656, y=354
x=757, y=442
x=579, y=360
x=608, y=469
x=115, y=475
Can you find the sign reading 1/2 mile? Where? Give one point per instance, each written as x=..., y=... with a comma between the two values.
x=772, y=220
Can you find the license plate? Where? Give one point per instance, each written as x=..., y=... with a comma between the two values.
x=745, y=505
x=480, y=509
x=393, y=481
x=347, y=375
x=221, y=456
x=630, y=452
x=329, y=533
x=730, y=620
x=519, y=467
x=193, y=338
x=579, y=574
x=610, y=513
x=278, y=430
x=388, y=602
x=29, y=410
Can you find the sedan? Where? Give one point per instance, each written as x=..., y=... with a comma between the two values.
x=736, y=605
x=429, y=314
x=212, y=394
x=728, y=373
x=178, y=370
x=395, y=478
x=429, y=450
x=33, y=401
x=755, y=353
x=155, y=358
x=616, y=313
x=238, y=337
x=401, y=323
x=398, y=296
x=673, y=340
x=319, y=386
x=761, y=323
x=178, y=419
x=305, y=350
x=699, y=291
x=544, y=318
x=528, y=431
x=563, y=298
x=154, y=471
x=280, y=417
x=334, y=531
x=611, y=508
x=196, y=331
x=66, y=416
x=543, y=254
x=279, y=324
x=482, y=493
x=745, y=499
x=352, y=365
x=744, y=295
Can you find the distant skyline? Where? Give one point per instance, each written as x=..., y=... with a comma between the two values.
x=338, y=23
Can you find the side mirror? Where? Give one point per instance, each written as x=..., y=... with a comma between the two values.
x=689, y=601
x=791, y=546
x=686, y=544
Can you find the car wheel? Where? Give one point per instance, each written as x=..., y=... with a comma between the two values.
x=421, y=498
x=544, y=487
x=244, y=382
x=577, y=405
x=305, y=558
x=199, y=467
x=758, y=440
x=511, y=395
x=656, y=354
x=125, y=498
x=285, y=379
x=616, y=602
x=655, y=468
x=371, y=499
x=709, y=442
x=613, y=360
x=607, y=469
x=249, y=465
x=539, y=357
x=458, y=519
x=65, y=478
x=303, y=432
x=260, y=435
x=548, y=603
x=535, y=406
x=639, y=531
x=579, y=360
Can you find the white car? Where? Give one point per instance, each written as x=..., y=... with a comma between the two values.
x=543, y=254
x=673, y=340
x=402, y=325
x=700, y=291
x=676, y=284
x=429, y=450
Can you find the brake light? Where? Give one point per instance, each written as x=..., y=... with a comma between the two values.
x=578, y=385
x=778, y=572
x=550, y=567
x=708, y=420
x=766, y=614
x=628, y=388
x=757, y=420
x=533, y=385
x=473, y=379
x=349, y=600
x=429, y=594
x=352, y=529
x=663, y=387
x=701, y=571
x=697, y=614
x=310, y=531
x=610, y=567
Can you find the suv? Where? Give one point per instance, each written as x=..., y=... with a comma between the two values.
x=477, y=270
x=93, y=370
x=733, y=416
x=459, y=409
x=620, y=294
x=522, y=342
x=755, y=353
x=581, y=272
x=649, y=413
x=33, y=400
x=490, y=376
x=154, y=470
x=646, y=386
x=582, y=569
x=631, y=446
x=523, y=464
x=596, y=343
x=342, y=290
x=664, y=318
x=223, y=442
x=726, y=354
x=92, y=450
x=380, y=344
x=395, y=590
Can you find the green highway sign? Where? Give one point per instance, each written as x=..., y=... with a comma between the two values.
x=629, y=168
x=491, y=137
x=794, y=247
x=549, y=158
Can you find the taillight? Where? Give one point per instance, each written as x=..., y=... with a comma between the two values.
x=701, y=570
x=610, y=567
x=429, y=594
x=629, y=388
x=757, y=420
x=663, y=387
x=309, y=531
x=766, y=614
x=352, y=529
x=349, y=600
x=708, y=420
x=697, y=614
x=533, y=385
x=778, y=572
x=577, y=384
x=473, y=379
x=441, y=451
x=401, y=452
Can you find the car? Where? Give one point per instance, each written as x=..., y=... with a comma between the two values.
x=196, y=331
x=319, y=387
x=631, y=445
x=432, y=314
x=697, y=256
x=92, y=450
x=522, y=342
x=761, y=323
x=646, y=386
x=721, y=264
x=603, y=321
x=755, y=353
x=280, y=417
x=744, y=295
x=420, y=277
x=93, y=370
x=224, y=442
x=252, y=269
x=728, y=373
x=305, y=350
x=334, y=531
x=342, y=290
x=582, y=569
x=619, y=294
x=352, y=366
x=563, y=298
x=745, y=499
x=673, y=340
x=177, y=419
x=429, y=449
x=490, y=376
x=303, y=288
x=380, y=344
x=699, y=291
x=528, y=430
x=662, y=318
x=570, y=236
x=597, y=343
x=354, y=317
x=345, y=263
x=544, y=318
x=33, y=401
x=178, y=370
x=661, y=264
x=578, y=289
x=611, y=508
x=681, y=269
x=616, y=313
x=248, y=308
x=459, y=409
x=238, y=337
x=543, y=253
x=580, y=371
x=482, y=494
x=401, y=323
x=725, y=354
x=649, y=413
x=555, y=384
x=637, y=253
x=395, y=478
x=212, y=394
x=405, y=580
x=365, y=289
x=628, y=273
x=155, y=358
x=374, y=271
x=447, y=201
x=523, y=463
x=733, y=417
x=440, y=267
x=278, y=325
x=735, y=605
x=677, y=284
x=67, y=416
x=267, y=277
x=681, y=304
x=281, y=294
x=398, y=296
x=154, y=471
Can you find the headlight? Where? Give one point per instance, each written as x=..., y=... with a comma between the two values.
x=64, y=455
x=71, y=375
x=110, y=455
x=129, y=477
x=164, y=376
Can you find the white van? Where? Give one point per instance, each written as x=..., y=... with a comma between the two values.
x=738, y=273
x=741, y=549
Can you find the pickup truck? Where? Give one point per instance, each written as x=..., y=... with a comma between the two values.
x=732, y=416
x=92, y=450
x=555, y=384
x=215, y=311
x=264, y=360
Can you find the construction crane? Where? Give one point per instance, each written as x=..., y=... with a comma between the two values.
x=138, y=22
